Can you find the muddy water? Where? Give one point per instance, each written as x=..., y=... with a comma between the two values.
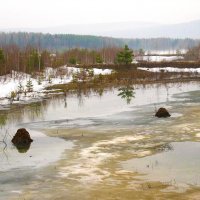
x=120, y=151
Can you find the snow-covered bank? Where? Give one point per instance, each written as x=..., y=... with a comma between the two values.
x=11, y=84
x=14, y=82
x=171, y=69
x=96, y=70
x=159, y=58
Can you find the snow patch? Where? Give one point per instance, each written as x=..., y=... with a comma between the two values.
x=96, y=70
x=170, y=69
x=162, y=58
x=10, y=83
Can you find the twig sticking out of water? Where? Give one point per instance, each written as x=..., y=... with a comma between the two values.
x=155, y=109
x=4, y=140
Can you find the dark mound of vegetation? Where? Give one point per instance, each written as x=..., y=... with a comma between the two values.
x=22, y=140
x=162, y=113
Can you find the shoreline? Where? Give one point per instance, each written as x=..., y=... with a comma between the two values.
x=145, y=64
x=59, y=92
x=64, y=82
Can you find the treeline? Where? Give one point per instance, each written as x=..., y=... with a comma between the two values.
x=34, y=59
x=193, y=54
x=59, y=42
x=30, y=59
x=24, y=60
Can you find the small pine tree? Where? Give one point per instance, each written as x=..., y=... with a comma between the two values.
x=39, y=80
x=29, y=86
x=125, y=56
x=20, y=88
x=99, y=59
x=72, y=61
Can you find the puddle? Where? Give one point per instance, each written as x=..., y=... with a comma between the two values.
x=17, y=168
x=177, y=165
x=38, y=155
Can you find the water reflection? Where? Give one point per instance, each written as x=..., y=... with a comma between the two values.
x=19, y=113
x=100, y=92
x=23, y=148
x=127, y=93
x=3, y=119
x=83, y=103
x=80, y=98
x=4, y=143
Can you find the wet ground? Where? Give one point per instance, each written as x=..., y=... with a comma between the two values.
x=114, y=150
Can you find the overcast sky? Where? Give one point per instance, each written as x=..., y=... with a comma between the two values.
x=50, y=13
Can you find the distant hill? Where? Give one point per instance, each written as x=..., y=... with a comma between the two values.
x=68, y=41
x=126, y=30
x=133, y=30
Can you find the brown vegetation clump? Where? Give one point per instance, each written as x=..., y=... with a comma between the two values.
x=22, y=138
x=162, y=113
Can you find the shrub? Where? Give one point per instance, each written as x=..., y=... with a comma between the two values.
x=29, y=86
x=13, y=95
